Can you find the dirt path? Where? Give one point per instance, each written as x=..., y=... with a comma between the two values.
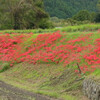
x=8, y=92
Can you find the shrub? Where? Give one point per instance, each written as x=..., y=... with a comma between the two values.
x=82, y=16
x=97, y=18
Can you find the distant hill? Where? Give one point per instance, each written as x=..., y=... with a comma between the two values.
x=67, y=8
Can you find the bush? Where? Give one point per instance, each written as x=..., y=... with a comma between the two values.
x=97, y=18
x=82, y=16
x=44, y=23
x=71, y=21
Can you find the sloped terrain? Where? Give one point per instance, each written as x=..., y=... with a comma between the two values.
x=54, y=81
x=53, y=64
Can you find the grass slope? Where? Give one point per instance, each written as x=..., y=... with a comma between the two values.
x=49, y=78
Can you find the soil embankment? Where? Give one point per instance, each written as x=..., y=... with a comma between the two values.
x=8, y=92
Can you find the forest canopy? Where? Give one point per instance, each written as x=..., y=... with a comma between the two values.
x=68, y=8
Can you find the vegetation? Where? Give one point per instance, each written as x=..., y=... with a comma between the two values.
x=68, y=8
x=50, y=72
x=98, y=5
x=23, y=14
x=45, y=79
x=69, y=16
x=97, y=18
x=51, y=61
x=75, y=28
x=83, y=15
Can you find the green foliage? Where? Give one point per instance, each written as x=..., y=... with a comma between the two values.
x=93, y=16
x=5, y=23
x=44, y=23
x=22, y=14
x=82, y=16
x=85, y=17
x=98, y=5
x=72, y=22
x=68, y=8
x=97, y=18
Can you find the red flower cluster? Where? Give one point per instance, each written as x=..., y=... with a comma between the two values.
x=53, y=47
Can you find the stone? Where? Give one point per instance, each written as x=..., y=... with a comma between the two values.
x=91, y=89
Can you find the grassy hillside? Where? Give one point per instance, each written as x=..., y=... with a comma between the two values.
x=53, y=64
x=52, y=80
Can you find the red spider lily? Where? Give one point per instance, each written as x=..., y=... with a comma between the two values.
x=51, y=48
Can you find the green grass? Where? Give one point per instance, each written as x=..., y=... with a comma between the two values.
x=41, y=79
x=96, y=72
x=80, y=28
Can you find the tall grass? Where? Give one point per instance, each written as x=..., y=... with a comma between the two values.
x=85, y=27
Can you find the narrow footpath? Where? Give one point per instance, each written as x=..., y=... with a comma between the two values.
x=9, y=92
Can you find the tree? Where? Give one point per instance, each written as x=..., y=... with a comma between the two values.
x=24, y=13
x=98, y=5
x=82, y=15
x=68, y=8
x=97, y=18
x=93, y=15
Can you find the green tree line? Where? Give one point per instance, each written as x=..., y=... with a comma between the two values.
x=23, y=14
x=31, y=14
x=68, y=8
x=84, y=15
